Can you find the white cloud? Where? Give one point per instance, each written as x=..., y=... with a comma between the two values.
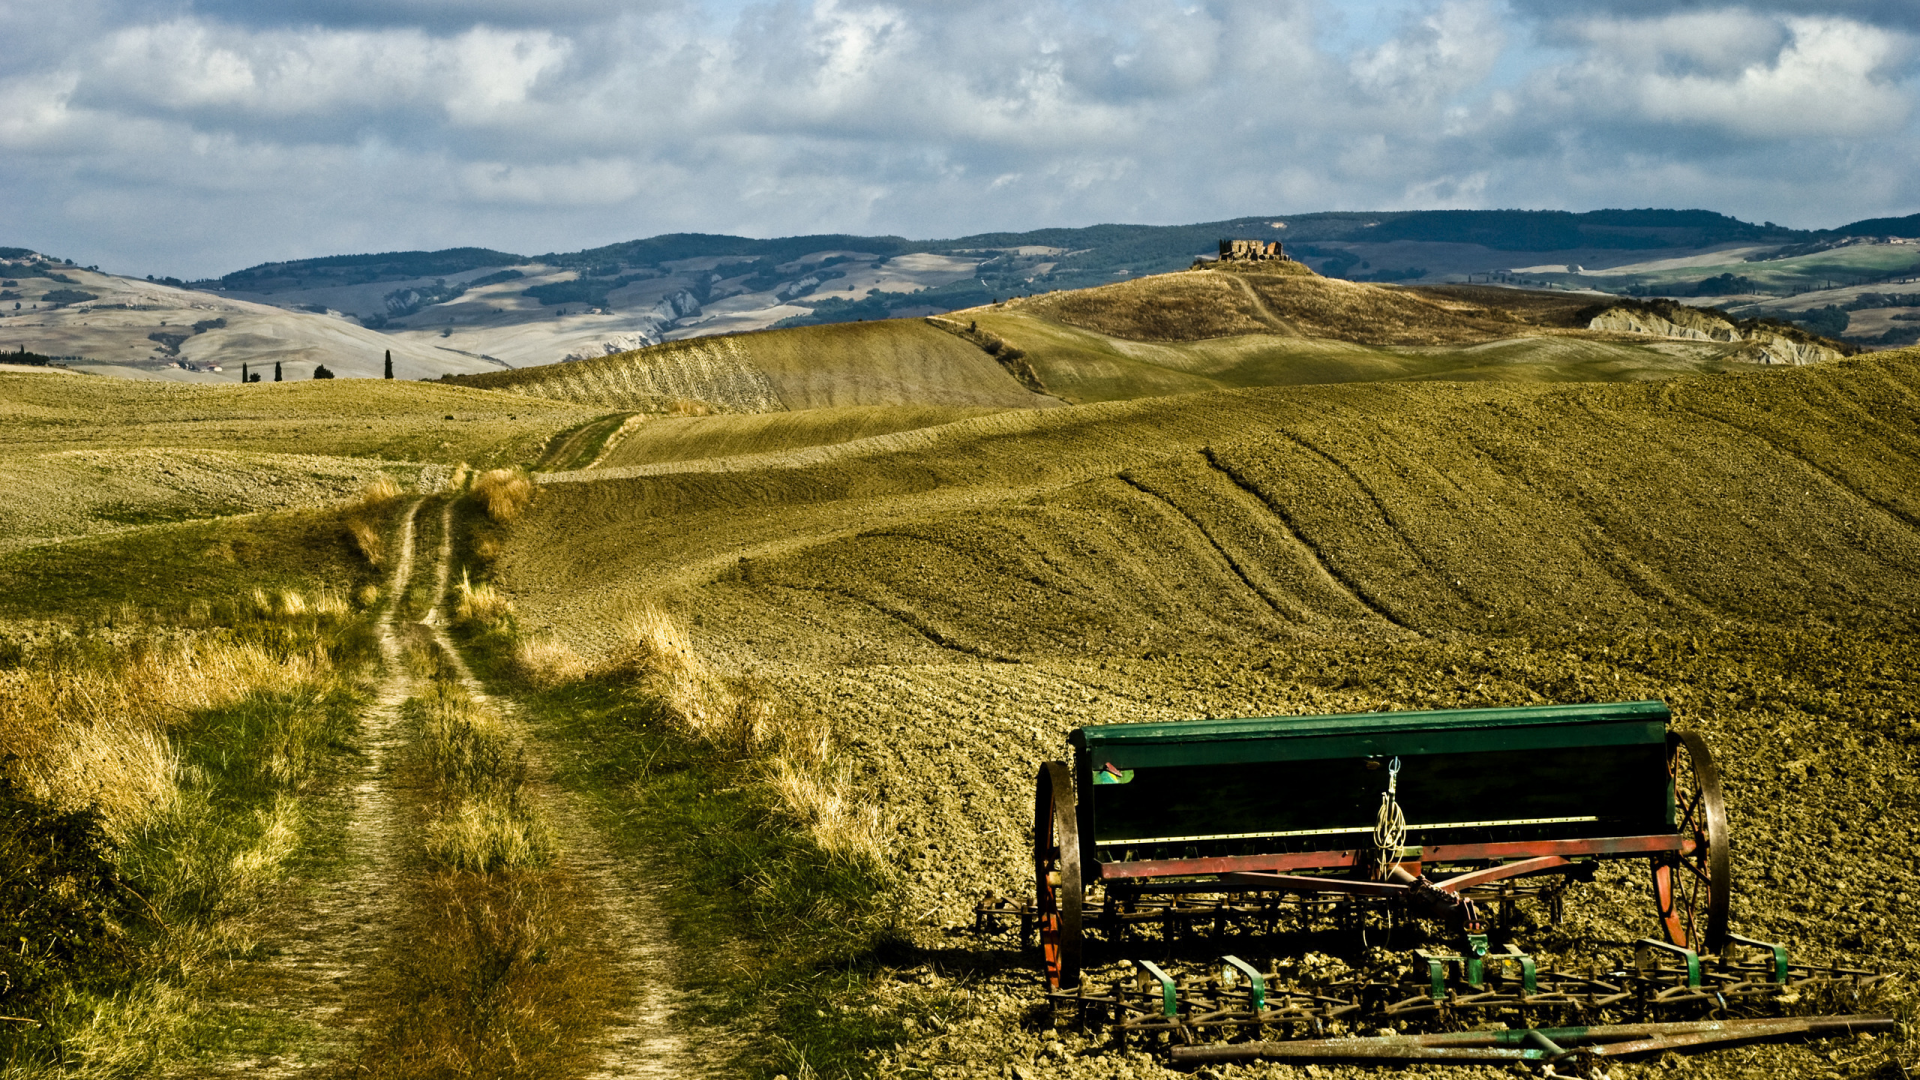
x=203, y=137
x=1752, y=76
x=1446, y=51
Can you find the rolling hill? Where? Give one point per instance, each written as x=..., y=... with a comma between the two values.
x=1184, y=332
x=930, y=547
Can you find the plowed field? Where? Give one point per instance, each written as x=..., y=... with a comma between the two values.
x=956, y=599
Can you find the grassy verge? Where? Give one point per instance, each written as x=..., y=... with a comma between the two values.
x=159, y=793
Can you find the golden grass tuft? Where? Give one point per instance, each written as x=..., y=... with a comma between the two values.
x=480, y=603
x=487, y=548
x=366, y=514
x=486, y=834
x=651, y=648
x=843, y=823
x=649, y=642
x=505, y=492
x=548, y=662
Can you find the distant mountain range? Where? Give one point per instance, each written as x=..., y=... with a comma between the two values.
x=1099, y=253
x=474, y=309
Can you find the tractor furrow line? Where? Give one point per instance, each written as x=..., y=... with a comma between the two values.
x=1334, y=577
x=1226, y=557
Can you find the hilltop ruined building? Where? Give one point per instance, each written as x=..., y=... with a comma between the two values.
x=1252, y=251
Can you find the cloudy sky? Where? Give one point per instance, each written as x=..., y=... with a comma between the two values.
x=195, y=137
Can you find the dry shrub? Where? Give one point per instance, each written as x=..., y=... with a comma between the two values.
x=506, y=492
x=331, y=605
x=548, y=662
x=368, y=595
x=290, y=604
x=480, y=603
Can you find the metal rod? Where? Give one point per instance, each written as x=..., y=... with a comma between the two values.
x=1619, y=1041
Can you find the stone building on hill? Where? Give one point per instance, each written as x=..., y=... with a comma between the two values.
x=1251, y=251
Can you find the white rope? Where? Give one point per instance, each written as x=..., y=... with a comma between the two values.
x=1390, y=825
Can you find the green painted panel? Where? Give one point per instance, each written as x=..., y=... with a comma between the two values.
x=1361, y=735
x=1573, y=770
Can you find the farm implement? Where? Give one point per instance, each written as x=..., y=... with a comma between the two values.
x=1434, y=827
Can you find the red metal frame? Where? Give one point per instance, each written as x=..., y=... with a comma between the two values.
x=1437, y=853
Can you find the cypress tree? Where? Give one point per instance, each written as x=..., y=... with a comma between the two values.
x=389, y=363
x=276, y=371
x=243, y=372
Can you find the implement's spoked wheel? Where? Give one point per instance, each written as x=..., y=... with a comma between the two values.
x=1058, y=890
x=1691, y=887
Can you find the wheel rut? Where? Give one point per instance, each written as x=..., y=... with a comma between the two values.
x=629, y=921
x=325, y=951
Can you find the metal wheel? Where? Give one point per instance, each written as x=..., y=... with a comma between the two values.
x=1058, y=889
x=1691, y=887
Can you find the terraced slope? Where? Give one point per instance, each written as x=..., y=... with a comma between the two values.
x=1165, y=524
x=707, y=437
x=901, y=362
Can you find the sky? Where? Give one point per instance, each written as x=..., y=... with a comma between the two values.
x=196, y=137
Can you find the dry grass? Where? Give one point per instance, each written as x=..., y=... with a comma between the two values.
x=487, y=834
x=505, y=493
x=366, y=516
x=825, y=801
x=476, y=765
x=809, y=785
x=93, y=731
x=481, y=604
x=492, y=980
x=651, y=648
x=548, y=662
